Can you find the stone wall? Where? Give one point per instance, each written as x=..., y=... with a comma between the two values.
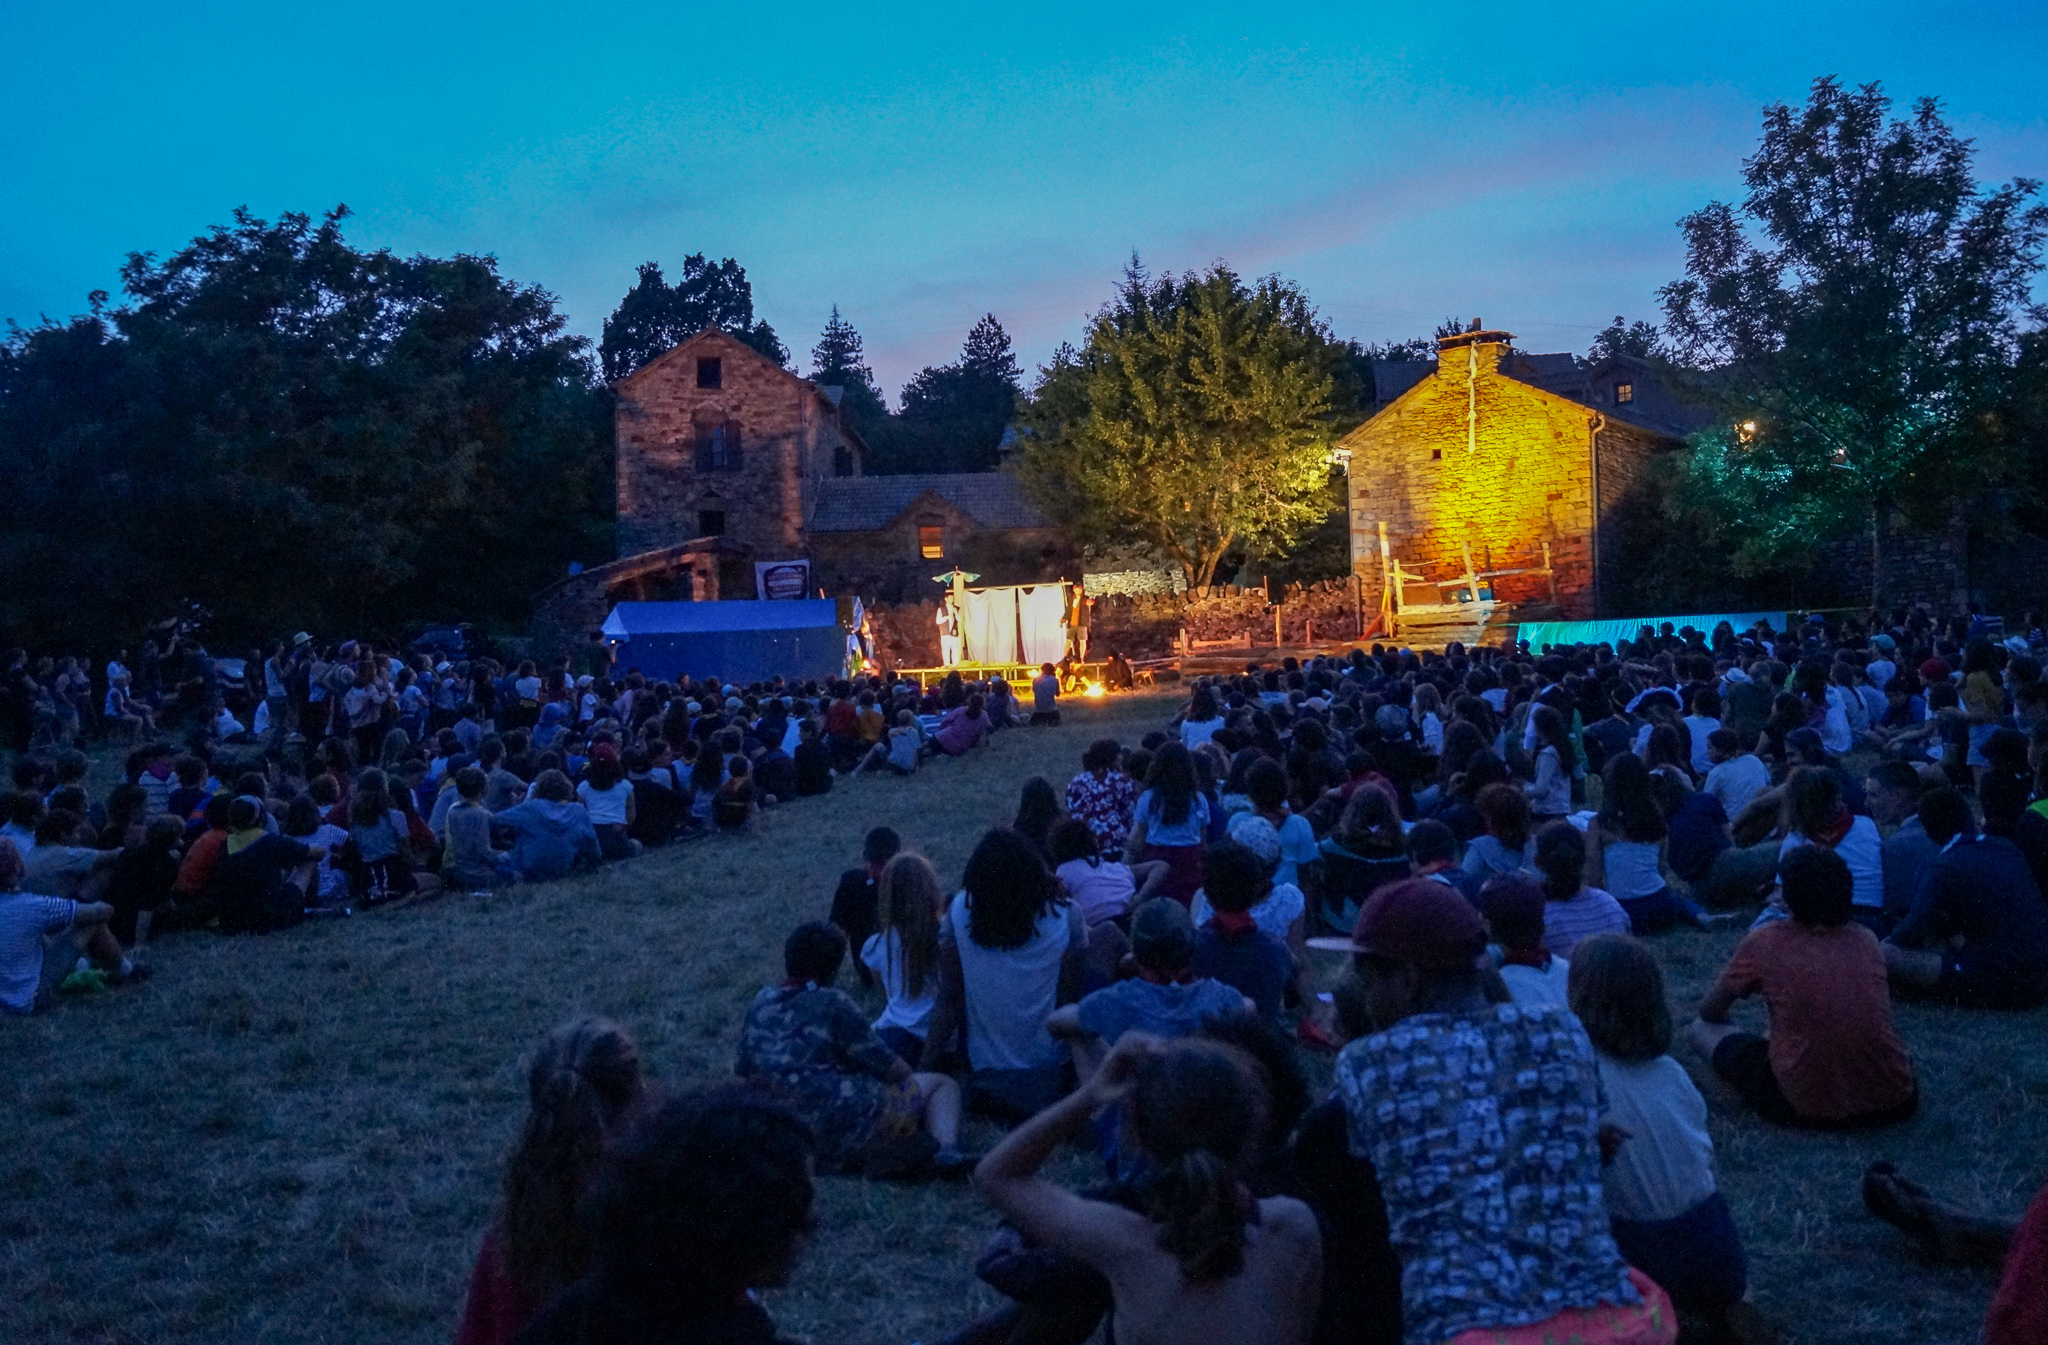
x=789, y=436
x=886, y=565
x=1528, y=481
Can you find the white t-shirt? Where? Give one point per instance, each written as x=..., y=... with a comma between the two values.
x=1195, y=732
x=1533, y=989
x=1736, y=781
x=1102, y=891
x=1011, y=991
x=1863, y=851
x=909, y=1012
x=1275, y=915
x=1700, y=726
x=25, y=920
x=1666, y=1166
x=607, y=806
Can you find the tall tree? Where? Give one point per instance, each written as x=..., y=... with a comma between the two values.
x=954, y=415
x=1197, y=418
x=837, y=361
x=297, y=433
x=1622, y=337
x=1860, y=314
x=655, y=317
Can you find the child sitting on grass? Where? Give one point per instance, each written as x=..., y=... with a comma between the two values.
x=1230, y=946
x=811, y=1046
x=904, y=951
x=469, y=861
x=1668, y=1216
x=1535, y=977
x=1164, y=996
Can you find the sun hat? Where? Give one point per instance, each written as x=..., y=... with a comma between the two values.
x=1418, y=920
x=301, y=638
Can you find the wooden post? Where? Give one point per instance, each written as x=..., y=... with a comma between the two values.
x=1471, y=579
x=1309, y=636
x=1278, y=639
x=1550, y=573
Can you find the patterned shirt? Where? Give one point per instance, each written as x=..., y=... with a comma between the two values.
x=1105, y=805
x=814, y=1047
x=1482, y=1130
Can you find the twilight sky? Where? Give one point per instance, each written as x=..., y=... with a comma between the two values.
x=920, y=165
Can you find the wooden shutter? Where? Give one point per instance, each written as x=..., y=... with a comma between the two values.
x=732, y=445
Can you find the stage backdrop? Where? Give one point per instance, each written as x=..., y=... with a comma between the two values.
x=990, y=625
x=1042, y=612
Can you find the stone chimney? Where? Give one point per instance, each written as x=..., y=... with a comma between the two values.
x=1453, y=359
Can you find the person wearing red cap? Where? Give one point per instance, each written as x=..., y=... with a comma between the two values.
x=1480, y=1118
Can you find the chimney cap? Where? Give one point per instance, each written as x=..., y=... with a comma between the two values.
x=1475, y=337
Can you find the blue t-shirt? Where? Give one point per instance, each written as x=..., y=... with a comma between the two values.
x=1157, y=832
x=1255, y=964
x=1163, y=1010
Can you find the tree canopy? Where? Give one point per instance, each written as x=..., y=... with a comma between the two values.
x=954, y=415
x=1859, y=316
x=1197, y=418
x=294, y=433
x=1622, y=337
x=655, y=317
x=837, y=361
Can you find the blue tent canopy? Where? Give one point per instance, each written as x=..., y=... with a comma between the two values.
x=738, y=641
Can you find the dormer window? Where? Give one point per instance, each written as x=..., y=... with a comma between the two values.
x=1623, y=393
x=711, y=373
x=931, y=538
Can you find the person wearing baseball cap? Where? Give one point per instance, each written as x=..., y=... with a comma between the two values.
x=1480, y=1118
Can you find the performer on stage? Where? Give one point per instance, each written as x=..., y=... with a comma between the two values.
x=949, y=633
x=1078, y=613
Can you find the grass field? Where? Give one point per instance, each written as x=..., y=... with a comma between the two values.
x=297, y=1138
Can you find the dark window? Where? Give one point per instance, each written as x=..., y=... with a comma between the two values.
x=1436, y=455
x=931, y=541
x=718, y=446
x=842, y=461
x=1624, y=392
x=711, y=522
x=711, y=373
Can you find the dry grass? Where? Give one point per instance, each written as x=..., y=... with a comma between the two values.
x=297, y=1138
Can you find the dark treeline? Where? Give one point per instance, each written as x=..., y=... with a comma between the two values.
x=295, y=433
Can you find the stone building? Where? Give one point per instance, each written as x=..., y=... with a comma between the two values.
x=883, y=537
x=1503, y=452
x=716, y=440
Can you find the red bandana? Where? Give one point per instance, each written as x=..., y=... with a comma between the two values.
x=1837, y=827
x=1232, y=922
x=1539, y=958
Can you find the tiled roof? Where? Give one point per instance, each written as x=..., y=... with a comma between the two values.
x=866, y=503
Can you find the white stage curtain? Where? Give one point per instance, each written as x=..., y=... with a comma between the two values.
x=990, y=625
x=1043, y=612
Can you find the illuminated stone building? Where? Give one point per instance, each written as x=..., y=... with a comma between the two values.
x=1497, y=453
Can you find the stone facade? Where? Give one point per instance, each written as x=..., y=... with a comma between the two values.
x=701, y=570
x=1473, y=456
x=713, y=438
x=877, y=536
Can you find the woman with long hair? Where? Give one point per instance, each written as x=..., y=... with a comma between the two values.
x=1011, y=950
x=1202, y=719
x=1201, y=1249
x=1102, y=794
x=1626, y=848
x=1170, y=820
x=580, y=1084
x=904, y=951
x=1038, y=812
x=1363, y=852
x=1557, y=761
x=1504, y=846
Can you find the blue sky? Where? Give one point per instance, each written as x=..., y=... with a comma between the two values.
x=921, y=165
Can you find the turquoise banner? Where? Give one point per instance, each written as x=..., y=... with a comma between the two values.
x=1537, y=634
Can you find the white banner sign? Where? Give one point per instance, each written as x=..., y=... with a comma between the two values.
x=783, y=578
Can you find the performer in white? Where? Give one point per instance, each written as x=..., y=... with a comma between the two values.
x=949, y=633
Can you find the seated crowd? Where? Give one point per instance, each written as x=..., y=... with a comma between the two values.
x=1488, y=842
x=318, y=783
